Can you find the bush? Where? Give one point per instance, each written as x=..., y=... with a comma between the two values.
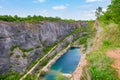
x=37, y=47
x=31, y=18
x=13, y=47
x=23, y=55
x=106, y=43
x=61, y=77
x=83, y=39
x=13, y=75
x=30, y=77
x=11, y=53
x=26, y=50
x=42, y=74
x=17, y=56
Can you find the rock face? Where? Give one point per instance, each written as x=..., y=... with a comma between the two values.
x=21, y=43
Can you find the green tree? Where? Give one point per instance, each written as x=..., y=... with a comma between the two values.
x=114, y=10
x=112, y=14
x=61, y=77
x=98, y=12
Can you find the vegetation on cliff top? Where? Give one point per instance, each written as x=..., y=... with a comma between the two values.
x=112, y=15
x=34, y=18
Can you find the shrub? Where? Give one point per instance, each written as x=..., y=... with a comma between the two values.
x=17, y=56
x=83, y=40
x=106, y=43
x=23, y=55
x=61, y=77
x=26, y=50
x=13, y=75
x=42, y=74
x=13, y=47
x=11, y=53
x=37, y=47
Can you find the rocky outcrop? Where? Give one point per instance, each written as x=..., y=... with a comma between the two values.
x=22, y=42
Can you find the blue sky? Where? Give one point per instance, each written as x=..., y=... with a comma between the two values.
x=68, y=9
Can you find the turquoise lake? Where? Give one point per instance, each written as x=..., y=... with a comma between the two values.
x=65, y=64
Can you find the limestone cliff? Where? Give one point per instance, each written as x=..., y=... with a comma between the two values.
x=22, y=42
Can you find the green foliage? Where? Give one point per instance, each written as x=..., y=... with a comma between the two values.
x=26, y=50
x=48, y=48
x=83, y=40
x=61, y=77
x=99, y=12
x=29, y=18
x=42, y=74
x=23, y=50
x=37, y=47
x=13, y=47
x=17, y=56
x=11, y=53
x=13, y=75
x=43, y=63
x=7, y=18
x=113, y=13
x=106, y=43
x=23, y=55
x=30, y=77
x=100, y=64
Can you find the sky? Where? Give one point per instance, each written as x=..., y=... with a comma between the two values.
x=66, y=9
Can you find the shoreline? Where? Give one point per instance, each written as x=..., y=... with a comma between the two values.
x=78, y=69
x=76, y=75
x=51, y=62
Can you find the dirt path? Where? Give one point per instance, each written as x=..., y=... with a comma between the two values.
x=30, y=71
x=116, y=55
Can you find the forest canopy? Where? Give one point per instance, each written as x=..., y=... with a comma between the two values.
x=112, y=14
x=29, y=18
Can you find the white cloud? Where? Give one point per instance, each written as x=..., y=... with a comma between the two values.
x=93, y=0
x=104, y=9
x=61, y=7
x=88, y=15
x=41, y=1
x=0, y=7
x=43, y=12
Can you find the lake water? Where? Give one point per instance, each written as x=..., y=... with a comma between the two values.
x=65, y=64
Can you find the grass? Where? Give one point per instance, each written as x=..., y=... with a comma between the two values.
x=48, y=48
x=37, y=47
x=13, y=75
x=17, y=56
x=30, y=77
x=23, y=50
x=13, y=47
x=23, y=55
x=61, y=77
x=83, y=39
x=11, y=54
x=99, y=66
